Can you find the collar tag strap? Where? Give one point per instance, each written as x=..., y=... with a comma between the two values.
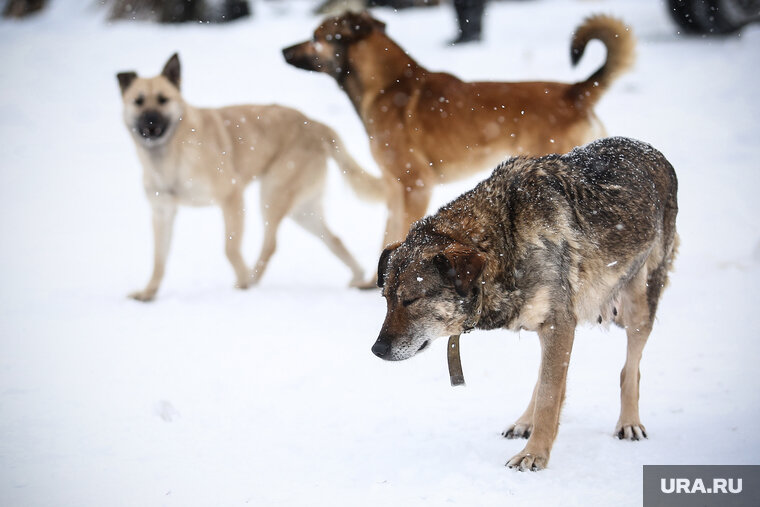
x=455, y=362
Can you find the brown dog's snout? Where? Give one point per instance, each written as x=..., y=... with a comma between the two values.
x=299, y=56
x=290, y=52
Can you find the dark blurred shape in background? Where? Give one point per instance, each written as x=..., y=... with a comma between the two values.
x=469, y=13
x=22, y=8
x=338, y=7
x=470, y=20
x=713, y=17
x=693, y=17
x=179, y=11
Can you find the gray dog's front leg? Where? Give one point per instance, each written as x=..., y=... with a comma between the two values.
x=556, y=345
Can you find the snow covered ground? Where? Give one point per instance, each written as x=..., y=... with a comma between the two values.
x=214, y=396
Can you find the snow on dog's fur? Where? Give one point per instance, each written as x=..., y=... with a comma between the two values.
x=543, y=244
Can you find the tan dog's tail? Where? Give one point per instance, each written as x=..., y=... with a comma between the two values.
x=620, y=43
x=366, y=186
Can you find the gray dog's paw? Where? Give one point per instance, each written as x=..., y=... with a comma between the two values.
x=518, y=430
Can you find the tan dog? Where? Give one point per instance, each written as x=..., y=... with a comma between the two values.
x=543, y=245
x=198, y=157
x=430, y=127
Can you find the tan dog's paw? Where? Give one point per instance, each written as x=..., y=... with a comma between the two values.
x=242, y=284
x=364, y=284
x=532, y=461
x=143, y=295
x=255, y=277
x=631, y=431
x=518, y=430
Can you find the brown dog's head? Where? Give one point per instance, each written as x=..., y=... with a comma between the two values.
x=152, y=106
x=327, y=51
x=432, y=288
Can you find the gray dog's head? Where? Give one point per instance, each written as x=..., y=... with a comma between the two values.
x=152, y=106
x=432, y=289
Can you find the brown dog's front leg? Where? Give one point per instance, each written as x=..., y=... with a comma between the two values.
x=556, y=344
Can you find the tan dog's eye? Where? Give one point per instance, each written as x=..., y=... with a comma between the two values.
x=162, y=99
x=139, y=101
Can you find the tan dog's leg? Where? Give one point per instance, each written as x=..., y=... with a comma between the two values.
x=556, y=344
x=635, y=317
x=234, y=221
x=272, y=215
x=290, y=179
x=523, y=427
x=163, y=225
x=310, y=216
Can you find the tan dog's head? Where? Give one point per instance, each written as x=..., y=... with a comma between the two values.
x=152, y=106
x=432, y=288
x=327, y=51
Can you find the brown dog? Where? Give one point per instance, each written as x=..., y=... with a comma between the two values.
x=542, y=245
x=199, y=156
x=430, y=127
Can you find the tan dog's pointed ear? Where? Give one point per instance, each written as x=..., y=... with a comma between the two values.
x=125, y=79
x=172, y=70
x=461, y=265
x=382, y=265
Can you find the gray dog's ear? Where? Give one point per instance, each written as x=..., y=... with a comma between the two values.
x=125, y=79
x=461, y=266
x=382, y=265
x=172, y=70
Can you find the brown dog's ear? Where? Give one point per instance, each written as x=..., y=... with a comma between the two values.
x=376, y=23
x=355, y=27
x=382, y=265
x=125, y=79
x=172, y=70
x=461, y=265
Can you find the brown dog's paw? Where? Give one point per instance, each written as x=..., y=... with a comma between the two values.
x=518, y=430
x=525, y=460
x=143, y=295
x=635, y=431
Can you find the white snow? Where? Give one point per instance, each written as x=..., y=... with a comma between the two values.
x=271, y=396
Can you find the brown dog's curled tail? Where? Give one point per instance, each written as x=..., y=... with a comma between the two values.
x=366, y=186
x=618, y=38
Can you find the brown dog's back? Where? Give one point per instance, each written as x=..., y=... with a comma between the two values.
x=430, y=127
